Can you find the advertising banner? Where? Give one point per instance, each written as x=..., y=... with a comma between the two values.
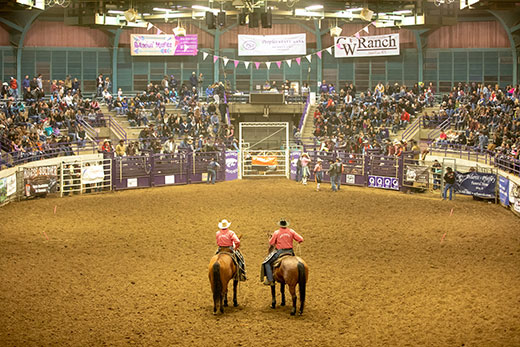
x=383, y=182
x=514, y=196
x=3, y=190
x=294, y=156
x=264, y=160
x=163, y=45
x=231, y=165
x=417, y=174
x=477, y=184
x=92, y=174
x=366, y=46
x=40, y=180
x=11, y=184
x=255, y=45
x=503, y=190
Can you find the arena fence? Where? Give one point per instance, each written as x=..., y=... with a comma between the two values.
x=91, y=173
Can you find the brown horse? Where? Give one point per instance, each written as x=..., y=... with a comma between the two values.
x=221, y=270
x=292, y=271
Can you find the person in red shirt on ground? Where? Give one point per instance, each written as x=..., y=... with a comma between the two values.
x=227, y=240
x=282, y=239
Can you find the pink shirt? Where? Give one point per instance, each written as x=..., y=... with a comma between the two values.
x=305, y=161
x=226, y=238
x=283, y=238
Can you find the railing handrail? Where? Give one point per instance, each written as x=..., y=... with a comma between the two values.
x=412, y=128
x=435, y=132
x=113, y=125
x=303, y=118
x=93, y=133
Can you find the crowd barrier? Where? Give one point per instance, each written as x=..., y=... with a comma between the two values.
x=91, y=173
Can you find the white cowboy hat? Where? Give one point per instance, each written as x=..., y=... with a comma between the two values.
x=224, y=224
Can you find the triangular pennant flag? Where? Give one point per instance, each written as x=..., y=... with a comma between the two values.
x=236, y=63
x=215, y=58
x=329, y=50
x=246, y=63
x=204, y=55
x=356, y=35
x=225, y=60
x=366, y=29
x=298, y=60
x=318, y=54
x=268, y=64
x=288, y=61
x=309, y=57
x=279, y=64
x=149, y=26
x=159, y=31
x=373, y=23
x=257, y=64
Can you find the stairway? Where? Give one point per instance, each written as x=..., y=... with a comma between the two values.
x=308, y=127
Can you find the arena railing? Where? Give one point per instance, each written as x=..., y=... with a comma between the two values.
x=441, y=127
x=116, y=128
x=412, y=129
x=304, y=113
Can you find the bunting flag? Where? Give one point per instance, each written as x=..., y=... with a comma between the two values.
x=329, y=49
x=279, y=64
x=338, y=46
x=246, y=63
x=318, y=54
x=298, y=60
x=257, y=64
x=366, y=28
x=356, y=35
x=215, y=58
x=288, y=61
x=309, y=57
x=149, y=26
x=236, y=63
x=225, y=60
x=268, y=63
x=204, y=55
x=159, y=32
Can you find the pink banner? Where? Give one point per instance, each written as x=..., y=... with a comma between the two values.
x=298, y=60
x=236, y=63
x=257, y=65
x=318, y=54
x=279, y=64
x=215, y=58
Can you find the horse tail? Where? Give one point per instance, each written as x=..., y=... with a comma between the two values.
x=302, y=281
x=217, y=283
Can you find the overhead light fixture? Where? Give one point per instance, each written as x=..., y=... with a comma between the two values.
x=336, y=31
x=179, y=31
x=131, y=15
x=115, y=12
x=159, y=9
x=313, y=7
x=403, y=12
x=355, y=9
x=366, y=14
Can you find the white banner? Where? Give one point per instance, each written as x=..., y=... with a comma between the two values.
x=255, y=45
x=11, y=184
x=92, y=174
x=366, y=46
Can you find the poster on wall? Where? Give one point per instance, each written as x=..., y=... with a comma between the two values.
x=366, y=46
x=383, y=182
x=163, y=45
x=514, y=196
x=477, y=184
x=231, y=165
x=417, y=175
x=40, y=180
x=92, y=174
x=503, y=190
x=11, y=184
x=255, y=45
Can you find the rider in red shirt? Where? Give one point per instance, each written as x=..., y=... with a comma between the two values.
x=228, y=239
x=282, y=239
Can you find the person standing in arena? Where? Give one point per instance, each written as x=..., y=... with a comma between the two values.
x=305, y=160
x=282, y=240
x=318, y=173
x=228, y=241
x=332, y=174
x=212, y=171
x=449, y=182
x=339, y=172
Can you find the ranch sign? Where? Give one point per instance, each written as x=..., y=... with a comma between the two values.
x=366, y=46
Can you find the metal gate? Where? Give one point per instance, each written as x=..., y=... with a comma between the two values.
x=85, y=176
x=383, y=172
x=262, y=163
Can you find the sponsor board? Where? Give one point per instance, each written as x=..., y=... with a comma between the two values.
x=366, y=46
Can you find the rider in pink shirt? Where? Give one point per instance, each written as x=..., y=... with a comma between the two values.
x=282, y=239
x=228, y=239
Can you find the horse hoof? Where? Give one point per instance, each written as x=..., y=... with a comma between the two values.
x=282, y=304
x=235, y=304
x=301, y=313
x=225, y=304
x=273, y=306
x=293, y=313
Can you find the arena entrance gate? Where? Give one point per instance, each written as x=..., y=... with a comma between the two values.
x=264, y=156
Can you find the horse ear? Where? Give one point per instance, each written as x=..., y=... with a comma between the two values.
x=240, y=237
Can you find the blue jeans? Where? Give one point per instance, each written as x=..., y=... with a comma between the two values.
x=338, y=182
x=212, y=175
x=267, y=266
x=333, y=182
x=447, y=187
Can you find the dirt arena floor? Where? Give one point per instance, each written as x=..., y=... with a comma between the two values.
x=131, y=268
